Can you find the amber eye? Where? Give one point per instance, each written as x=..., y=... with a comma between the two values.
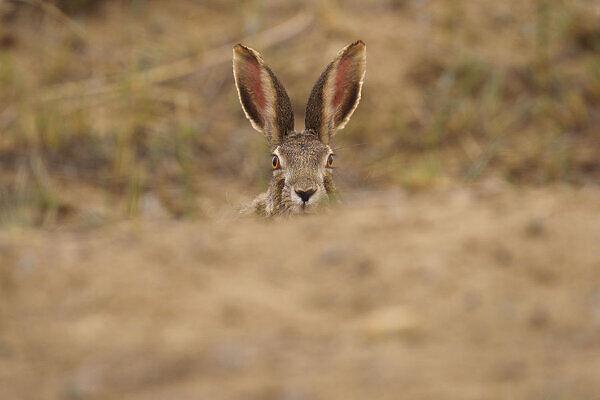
x=275, y=162
x=330, y=161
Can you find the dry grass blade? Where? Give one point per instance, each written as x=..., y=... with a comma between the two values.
x=55, y=12
x=178, y=69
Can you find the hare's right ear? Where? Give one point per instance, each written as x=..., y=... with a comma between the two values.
x=264, y=100
x=336, y=94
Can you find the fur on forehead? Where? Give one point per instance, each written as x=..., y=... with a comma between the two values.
x=306, y=142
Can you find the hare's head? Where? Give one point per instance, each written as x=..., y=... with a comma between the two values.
x=302, y=161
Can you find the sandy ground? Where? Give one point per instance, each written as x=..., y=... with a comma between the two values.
x=453, y=294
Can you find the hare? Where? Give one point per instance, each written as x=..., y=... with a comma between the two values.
x=302, y=161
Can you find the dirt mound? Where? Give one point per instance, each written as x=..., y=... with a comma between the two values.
x=454, y=294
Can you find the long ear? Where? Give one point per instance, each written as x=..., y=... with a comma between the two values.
x=264, y=100
x=337, y=92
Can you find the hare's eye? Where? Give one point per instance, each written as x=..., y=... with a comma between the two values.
x=330, y=161
x=275, y=162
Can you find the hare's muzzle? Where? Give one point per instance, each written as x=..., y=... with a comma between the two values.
x=305, y=194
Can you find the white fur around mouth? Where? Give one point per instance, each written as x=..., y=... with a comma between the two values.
x=304, y=208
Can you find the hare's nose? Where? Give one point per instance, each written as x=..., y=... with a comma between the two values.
x=305, y=194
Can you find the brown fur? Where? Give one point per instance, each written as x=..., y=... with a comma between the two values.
x=304, y=180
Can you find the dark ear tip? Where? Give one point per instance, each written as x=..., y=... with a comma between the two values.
x=243, y=50
x=240, y=48
x=359, y=44
x=358, y=48
x=247, y=53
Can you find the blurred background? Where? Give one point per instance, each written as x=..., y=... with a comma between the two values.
x=108, y=105
x=463, y=265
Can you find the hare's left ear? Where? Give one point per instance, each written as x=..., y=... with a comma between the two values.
x=337, y=92
x=264, y=100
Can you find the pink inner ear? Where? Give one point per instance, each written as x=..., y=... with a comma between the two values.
x=341, y=78
x=255, y=85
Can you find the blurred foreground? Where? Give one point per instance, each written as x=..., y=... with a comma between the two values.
x=495, y=295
